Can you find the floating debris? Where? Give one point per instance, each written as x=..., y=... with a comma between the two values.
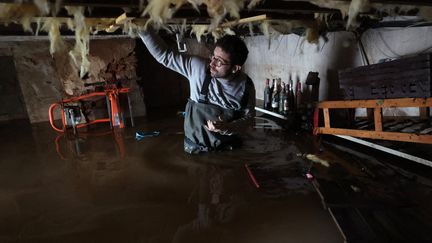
x=315, y=159
x=141, y=135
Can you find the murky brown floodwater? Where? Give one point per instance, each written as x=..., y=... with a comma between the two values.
x=112, y=188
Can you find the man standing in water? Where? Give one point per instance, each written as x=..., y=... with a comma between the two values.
x=222, y=97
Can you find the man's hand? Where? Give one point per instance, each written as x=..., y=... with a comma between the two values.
x=218, y=126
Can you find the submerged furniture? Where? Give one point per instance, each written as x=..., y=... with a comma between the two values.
x=72, y=114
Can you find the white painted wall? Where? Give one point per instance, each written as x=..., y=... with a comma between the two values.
x=291, y=55
x=394, y=43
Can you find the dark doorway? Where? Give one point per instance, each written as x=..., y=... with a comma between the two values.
x=162, y=87
x=12, y=105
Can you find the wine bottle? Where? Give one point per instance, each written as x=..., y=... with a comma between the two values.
x=298, y=93
x=282, y=99
x=291, y=97
x=267, y=95
x=275, y=97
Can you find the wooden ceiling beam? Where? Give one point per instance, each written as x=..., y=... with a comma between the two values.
x=393, y=2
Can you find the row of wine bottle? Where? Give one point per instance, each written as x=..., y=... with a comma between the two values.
x=280, y=97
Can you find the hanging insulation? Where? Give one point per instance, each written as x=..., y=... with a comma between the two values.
x=18, y=13
x=251, y=29
x=159, y=11
x=199, y=30
x=52, y=26
x=58, y=4
x=323, y=17
x=43, y=6
x=25, y=22
x=233, y=7
x=130, y=29
x=312, y=35
x=265, y=28
x=38, y=26
x=215, y=7
x=253, y=3
x=342, y=6
x=96, y=25
x=141, y=5
x=356, y=7
x=218, y=9
x=82, y=40
x=70, y=24
x=220, y=32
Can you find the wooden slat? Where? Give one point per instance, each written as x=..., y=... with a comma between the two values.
x=394, y=136
x=404, y=102
x=426, y=131
x=416, y=128
x=326, y=118
x=378, y=119
x=400, y=126
x=390, y=123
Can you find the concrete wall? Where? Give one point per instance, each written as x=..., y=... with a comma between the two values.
x=11, y=99
x=36, y=75
x=44, y=79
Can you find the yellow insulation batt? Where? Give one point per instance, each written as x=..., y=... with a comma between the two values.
x=159, y=11
x=18, y=13
x=43, y=6
x=199, y=30
x=82, y=40
x=356, y=7
x=347, y=9
x=52, y=26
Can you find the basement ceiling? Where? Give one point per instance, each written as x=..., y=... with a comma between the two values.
x=284, y=16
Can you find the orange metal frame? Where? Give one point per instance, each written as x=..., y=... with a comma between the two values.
x=111, y=93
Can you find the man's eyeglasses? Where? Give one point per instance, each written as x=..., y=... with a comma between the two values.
x=218, y=62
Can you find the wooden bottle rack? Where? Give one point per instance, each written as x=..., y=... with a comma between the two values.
x=376, y=106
